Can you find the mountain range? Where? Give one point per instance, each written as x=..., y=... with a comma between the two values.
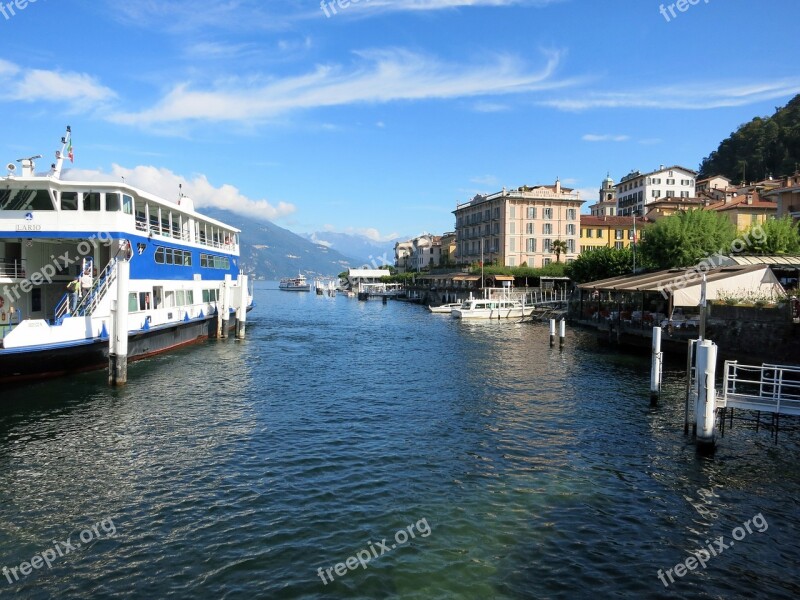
x=272, y=252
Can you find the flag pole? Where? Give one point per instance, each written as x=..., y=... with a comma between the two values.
x=66, y=142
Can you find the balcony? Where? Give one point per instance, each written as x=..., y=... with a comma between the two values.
x=12, y=268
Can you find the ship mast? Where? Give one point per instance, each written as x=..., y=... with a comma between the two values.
x=56, y=167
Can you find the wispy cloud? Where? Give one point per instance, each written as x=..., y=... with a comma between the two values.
x=489, y=107
x=77, y=90
x=379, y=76
x=591, y=137
x=488, y=180
x=687, y=96
x=375, y=7
x=167, y=184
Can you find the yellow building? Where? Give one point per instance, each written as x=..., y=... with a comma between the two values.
x=609, y=232
x=746, y=210
x=667, y=207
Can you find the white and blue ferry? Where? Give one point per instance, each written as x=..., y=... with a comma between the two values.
x=184, y=271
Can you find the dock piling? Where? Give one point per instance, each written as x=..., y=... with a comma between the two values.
x=241, y=306
x=562, y=332
x=118, y=336
x=706, y=394
x=552, y=332
x=656, y=367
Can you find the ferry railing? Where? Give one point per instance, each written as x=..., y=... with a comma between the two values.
x=88, y=302
x=14, y=268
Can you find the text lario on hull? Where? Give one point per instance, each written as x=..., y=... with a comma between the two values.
x=182, y=278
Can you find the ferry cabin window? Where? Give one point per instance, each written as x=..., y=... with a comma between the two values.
x=180, y=298
x=69, y=200
x=91, y=201
x=25, y=200
x=189, y=296
x=173, y=256
x=127, y=204
x=133, y=303
x=113, y=203
x=144, y=301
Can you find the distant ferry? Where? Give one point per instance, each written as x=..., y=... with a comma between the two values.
x=295, y=284
x=184, y=271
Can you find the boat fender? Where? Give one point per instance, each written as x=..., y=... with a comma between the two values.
x=3, y=316
x=2, y=302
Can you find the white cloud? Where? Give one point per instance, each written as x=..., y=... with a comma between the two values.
x=379, y=76
x=591, y=137
x=368, y=232
x=686, y=96
x=382, y=6
x=166, y=184
x=79, y=90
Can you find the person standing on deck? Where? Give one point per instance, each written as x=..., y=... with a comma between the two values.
x=73, y=287
x=86, y=283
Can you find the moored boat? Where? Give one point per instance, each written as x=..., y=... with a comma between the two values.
x=444, y=309
x=486, y=308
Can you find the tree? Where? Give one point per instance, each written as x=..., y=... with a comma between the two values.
x=774, y=236
x=765, y=146
x=600, y=263
x=685, y=238
x=558, y=247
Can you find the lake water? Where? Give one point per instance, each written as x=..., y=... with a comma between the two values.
x=496, y=467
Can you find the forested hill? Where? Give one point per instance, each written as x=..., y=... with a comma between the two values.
x=763, y=147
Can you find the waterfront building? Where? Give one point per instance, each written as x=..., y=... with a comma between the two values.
x=402, y=255
x=710, y=184
x=746, y=210
x=608, y=232
x=786, y=197
x=636, y=190
x=448, y=257
x=422, y=252
x=357, y=278
x=670, y=206
x=519, y=227
x=607, y=204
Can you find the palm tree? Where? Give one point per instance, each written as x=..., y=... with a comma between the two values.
x=558, y=246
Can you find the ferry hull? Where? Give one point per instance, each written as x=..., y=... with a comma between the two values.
x=27, y=365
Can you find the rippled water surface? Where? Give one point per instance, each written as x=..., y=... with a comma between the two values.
x=239, y=469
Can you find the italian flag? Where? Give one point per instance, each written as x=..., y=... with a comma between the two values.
x=70, y=153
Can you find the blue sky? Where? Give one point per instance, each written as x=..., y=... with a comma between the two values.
x=380, y=118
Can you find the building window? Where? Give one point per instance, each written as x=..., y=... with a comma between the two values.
x=588, y=233
x=670, y=181
x=619, y=234
x=512, y=211
x=512, y=262
x=548, y=213
x=570, y=246
x=531, y=212
x=571, y=214
x=512, y=229
x=547, y=261
x=656, y=194
x=547, y=228
x=571, y=229
x=529, y=228
x=512, y=244
x=670, y=193
x=548, y=245
x=599, y=233
x=497, y=228
x=496, y=212
x=530, y=245
x=619, y=245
